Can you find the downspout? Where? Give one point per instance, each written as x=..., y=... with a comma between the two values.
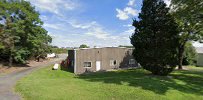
x=75, y=61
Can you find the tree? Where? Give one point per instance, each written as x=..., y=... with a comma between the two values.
x=190, y=55
x=189, y=15
x=8, y=29
x=21, y=31
x=155, y=38
x=84, y=46
x=57, y=50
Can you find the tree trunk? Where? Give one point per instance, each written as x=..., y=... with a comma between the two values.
x=10, y=60
x=11, y=55
x=180, y=56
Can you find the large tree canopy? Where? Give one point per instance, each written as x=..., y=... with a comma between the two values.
x=22, y=34
x=189, y=16
x=155, y=38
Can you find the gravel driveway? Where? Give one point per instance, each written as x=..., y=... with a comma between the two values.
x=7, y=82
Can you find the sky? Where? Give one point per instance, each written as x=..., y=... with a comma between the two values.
x=93, y=22
x=99, y=23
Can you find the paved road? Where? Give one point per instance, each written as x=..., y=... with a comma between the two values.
x=7, y=82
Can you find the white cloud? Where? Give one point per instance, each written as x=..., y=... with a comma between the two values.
x=92, y=34
x=44, y=18
x=54, y=6
x=129, y=31
x=131, y=2
x=82, y=26
x=98, y=32
x=128, y=25
x=91, y=28
x=122, y=15
x=53, y=26
x=91, y=39
x=131, y=11
x=127, y=12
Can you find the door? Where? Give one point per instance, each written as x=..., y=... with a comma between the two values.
x=98, y=65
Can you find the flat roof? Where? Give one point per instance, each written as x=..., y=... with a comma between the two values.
x=100, y=48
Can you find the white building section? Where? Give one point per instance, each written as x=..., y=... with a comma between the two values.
x=51, y=55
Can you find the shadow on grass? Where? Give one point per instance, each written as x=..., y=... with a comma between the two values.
x=184, y=81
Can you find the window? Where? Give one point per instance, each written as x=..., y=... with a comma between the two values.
x=87, y=64
x=132, y=61
x=112, y=62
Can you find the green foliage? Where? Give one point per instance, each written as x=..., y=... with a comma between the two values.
x=190, y=55
x=21, y=31
x=59, y=50
x=155, y=38
x=84, y=46
x=188, y=15
x=21, y=55
x=1, y=45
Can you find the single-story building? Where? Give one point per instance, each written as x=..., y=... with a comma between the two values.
x=100, y=59
x=199, y=56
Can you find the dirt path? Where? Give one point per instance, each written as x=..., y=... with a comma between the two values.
x=7, y=82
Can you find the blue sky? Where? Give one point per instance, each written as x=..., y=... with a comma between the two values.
x=93, y=22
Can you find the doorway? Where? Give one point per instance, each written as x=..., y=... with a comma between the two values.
x=98, y=65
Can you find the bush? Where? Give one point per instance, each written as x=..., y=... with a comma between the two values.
x=21, y=55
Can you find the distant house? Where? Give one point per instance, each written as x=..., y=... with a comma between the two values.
x=199, y=56
x=100, y=59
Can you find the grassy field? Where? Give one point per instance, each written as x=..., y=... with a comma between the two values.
x=137, y=84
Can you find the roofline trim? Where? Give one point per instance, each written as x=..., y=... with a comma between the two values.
x=100, y=48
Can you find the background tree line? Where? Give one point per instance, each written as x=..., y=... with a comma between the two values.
x=58, y=50
x=21, y=33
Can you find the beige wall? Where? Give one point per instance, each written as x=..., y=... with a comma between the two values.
x=121, y=55
x=200, y=59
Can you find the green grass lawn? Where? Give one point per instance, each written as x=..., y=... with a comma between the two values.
x=137, y=84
